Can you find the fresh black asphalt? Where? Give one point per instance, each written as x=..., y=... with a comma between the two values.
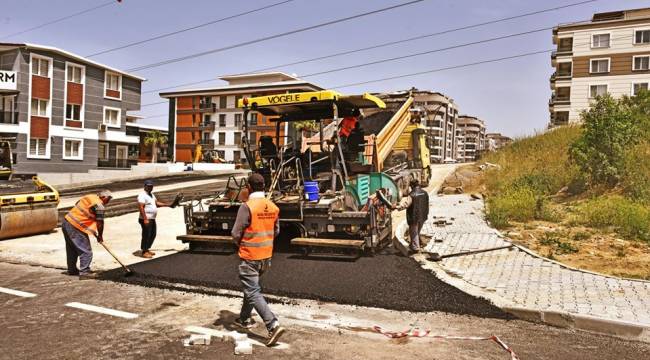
x=386, y=281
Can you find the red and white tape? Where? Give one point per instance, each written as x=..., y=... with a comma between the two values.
x=418, y=333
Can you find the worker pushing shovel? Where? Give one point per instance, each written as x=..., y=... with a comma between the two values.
x=84, y=219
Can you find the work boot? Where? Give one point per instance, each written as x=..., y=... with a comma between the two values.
x=147, y=255
x=244, y=324
x=70, y=273
x=88, y=276
x=275, y=334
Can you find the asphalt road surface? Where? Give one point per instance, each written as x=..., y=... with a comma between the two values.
x=44, y=326
x=384, y=281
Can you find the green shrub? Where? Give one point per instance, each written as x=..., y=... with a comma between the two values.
x=636, y=180
x=609, y=129
x=629, y=219
x=515, y=205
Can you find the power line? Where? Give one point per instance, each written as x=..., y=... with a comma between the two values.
x=442, y=32
x=443, y=69
x=156, y=103
x=111, y=2
x=161, y=36
x=425, y=52
x=463, y=65
x=291, y=32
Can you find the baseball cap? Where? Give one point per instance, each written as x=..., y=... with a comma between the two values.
x=148, y=183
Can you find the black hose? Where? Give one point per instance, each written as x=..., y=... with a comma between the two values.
x=383, y=199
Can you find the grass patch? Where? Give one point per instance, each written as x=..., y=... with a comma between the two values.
x=628, y=218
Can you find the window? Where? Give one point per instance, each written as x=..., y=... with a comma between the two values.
x=72, y=149
x=222, y=102
x=222, y=120
x=40, y=67
x=206, y=119
x=597, y=90
x=37, y=147
x=642, y=37
x=253, y=138
x=236, y=156
x=39, y=107
x=75, y=74
x=638, y=87
x=237, y=98
x=253, y=120
x=600, y=41
x=103, y=151
x=564, y=69
x=599, y=66
x=641, y=63
x=73, y=112
x=222, y=138
x=113, y=84
x=237, y=138
x=565, y=44
x=238, y=120
x=112, y=117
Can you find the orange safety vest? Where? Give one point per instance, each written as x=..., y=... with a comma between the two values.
x=347, y=125
x=257, y=241
x=81, y=217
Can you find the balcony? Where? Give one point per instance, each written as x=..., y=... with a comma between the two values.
x=207, y=144
x=8, y=117
x=207, y=107
x=203, y=126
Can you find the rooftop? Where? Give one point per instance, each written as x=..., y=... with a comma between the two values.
x=240, y=87
x=79, y=58
x=612, y=17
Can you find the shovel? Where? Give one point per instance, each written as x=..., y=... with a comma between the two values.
x=437, y=257
x=128, y=271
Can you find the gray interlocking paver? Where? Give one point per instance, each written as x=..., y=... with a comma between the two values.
x=521, y=278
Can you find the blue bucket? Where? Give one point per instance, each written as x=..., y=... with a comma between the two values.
x=311, y=190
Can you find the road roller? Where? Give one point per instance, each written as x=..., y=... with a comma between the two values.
x=28, y=205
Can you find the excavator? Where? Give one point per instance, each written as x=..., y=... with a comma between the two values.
x=334, y=196
x=28, y=205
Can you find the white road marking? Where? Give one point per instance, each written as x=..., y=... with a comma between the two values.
x=102, y=310
x=17, y=292
x=220, y=334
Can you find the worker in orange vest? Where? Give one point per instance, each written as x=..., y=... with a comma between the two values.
x=256, y=225
x=84, y=219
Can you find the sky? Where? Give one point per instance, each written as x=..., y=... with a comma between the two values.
x=511, y=96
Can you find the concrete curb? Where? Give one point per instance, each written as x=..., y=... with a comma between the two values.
x=624, y=329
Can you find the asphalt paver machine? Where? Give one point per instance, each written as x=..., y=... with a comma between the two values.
x=327, y=203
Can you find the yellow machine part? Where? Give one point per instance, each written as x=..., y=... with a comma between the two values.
x=29, y=213
x=22, y=220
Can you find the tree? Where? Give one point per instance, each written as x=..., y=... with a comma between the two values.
x=610, y=127
x=153, y=139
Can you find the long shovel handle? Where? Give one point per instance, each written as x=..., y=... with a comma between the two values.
x=115, y=257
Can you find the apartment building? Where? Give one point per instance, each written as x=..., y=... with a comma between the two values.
x=495, y=141
x=209, y=117
x=63, y=112
x=472, y=131
x=144, y=151
x=609, y=54
x=441, y=117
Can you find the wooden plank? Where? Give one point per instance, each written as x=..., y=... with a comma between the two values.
x=210, y=238
x=357, y=244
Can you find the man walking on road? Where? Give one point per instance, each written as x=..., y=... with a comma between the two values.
x=148, y=205
x=417, y=212
x=85, y=218
x=256, y=226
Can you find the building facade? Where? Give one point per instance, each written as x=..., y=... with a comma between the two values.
x=440, y=120
x=209, y=117
x=62, y=112
x=495, y=141
x=472, y=130
x=144, y=151
x=609, y=54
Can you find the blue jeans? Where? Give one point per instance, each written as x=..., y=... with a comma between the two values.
x=249, y=274
x=77, y=245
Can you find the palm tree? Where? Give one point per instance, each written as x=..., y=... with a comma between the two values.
x=153, y=139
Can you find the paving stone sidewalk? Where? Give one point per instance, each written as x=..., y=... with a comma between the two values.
x=516, y=278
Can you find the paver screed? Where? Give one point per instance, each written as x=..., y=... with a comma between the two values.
x=516, y=278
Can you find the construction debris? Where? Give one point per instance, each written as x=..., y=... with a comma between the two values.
x=243, y=348
x=197, y=339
